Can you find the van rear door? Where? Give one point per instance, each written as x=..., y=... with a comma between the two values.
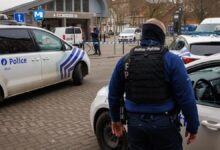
x=78, y=35
x=73, y=35
x=70, y=36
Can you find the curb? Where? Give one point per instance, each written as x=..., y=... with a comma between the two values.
x=102, y=57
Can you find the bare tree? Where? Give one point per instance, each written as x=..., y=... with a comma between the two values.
x=136, y=11
x=120, y=9
x=200, y=9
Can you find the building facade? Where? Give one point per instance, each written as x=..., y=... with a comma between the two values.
x=62, y=13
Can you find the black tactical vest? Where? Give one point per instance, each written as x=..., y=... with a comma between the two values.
x=144, y=75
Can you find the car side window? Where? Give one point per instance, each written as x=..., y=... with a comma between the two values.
x=67, y=47
x=46, y=41
x=206, y=85
x=15, y=41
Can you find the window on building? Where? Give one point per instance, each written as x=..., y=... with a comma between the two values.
x=69, y=5
x=85, y=5
x=15, y=41
x=77, y=5
x=59, y=5
x=50, y=6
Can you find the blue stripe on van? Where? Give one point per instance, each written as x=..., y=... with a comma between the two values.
x=71, y=63
x=66, y=61
x=71, y=69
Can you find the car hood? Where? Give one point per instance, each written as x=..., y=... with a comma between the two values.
x=103, y=91
x=192, y=39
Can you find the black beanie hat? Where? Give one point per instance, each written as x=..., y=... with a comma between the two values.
x=154, y=29
x=153, y=32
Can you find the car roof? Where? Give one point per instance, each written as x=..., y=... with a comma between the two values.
x=131, y=28
x=211, y=21
x=22, y=27
x=26, y=27
x=19, y=27
x=215, y=57
x=66, y=27
x=201, y=38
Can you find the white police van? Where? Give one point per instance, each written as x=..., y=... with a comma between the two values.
x=205, y=76
x=72, y=35
x=32, y=58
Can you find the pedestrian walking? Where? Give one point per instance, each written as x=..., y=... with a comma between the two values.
x=156, y=88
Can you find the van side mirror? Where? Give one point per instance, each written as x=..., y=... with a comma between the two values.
x=180, y=45
x=217, y=29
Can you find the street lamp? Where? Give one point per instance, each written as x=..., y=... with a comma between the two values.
x=176, y=22
x=201, y=10
x=177, y=18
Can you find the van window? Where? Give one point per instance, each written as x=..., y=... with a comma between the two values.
x=71, y=30
x=15, y=41
x=67, y=47
x=46, y=41
x=206, y=83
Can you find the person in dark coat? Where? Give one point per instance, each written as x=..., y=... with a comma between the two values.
x=96, y=42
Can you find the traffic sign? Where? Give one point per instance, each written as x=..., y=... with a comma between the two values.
x=38, y=15
x=19, y=17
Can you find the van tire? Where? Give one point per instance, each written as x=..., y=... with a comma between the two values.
x=1, y=97
x=77, y=76
x=106, y=140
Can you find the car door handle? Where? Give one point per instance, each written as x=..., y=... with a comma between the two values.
x=211, y=125
x=45, y=58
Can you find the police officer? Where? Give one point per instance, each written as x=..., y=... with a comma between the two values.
x=157, y=88
x=95, y=40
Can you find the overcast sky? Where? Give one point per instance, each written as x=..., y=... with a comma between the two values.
x=5, y=4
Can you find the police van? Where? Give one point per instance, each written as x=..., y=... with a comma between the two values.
x=205, y=77
x=208, y=25
x=72, y=35
x=32, y=58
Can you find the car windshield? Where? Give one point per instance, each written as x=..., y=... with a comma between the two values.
x=206, y=27
x=128, y=31
x=205, y=49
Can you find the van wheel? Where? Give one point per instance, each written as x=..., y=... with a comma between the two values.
x=77, y=77
x=106, y=140
x=1, y=97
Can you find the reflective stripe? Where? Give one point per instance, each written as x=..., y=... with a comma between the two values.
x=74, y=58
x=62, y=66
x=71, y=69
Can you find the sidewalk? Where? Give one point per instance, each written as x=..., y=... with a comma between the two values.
x=108, y=50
